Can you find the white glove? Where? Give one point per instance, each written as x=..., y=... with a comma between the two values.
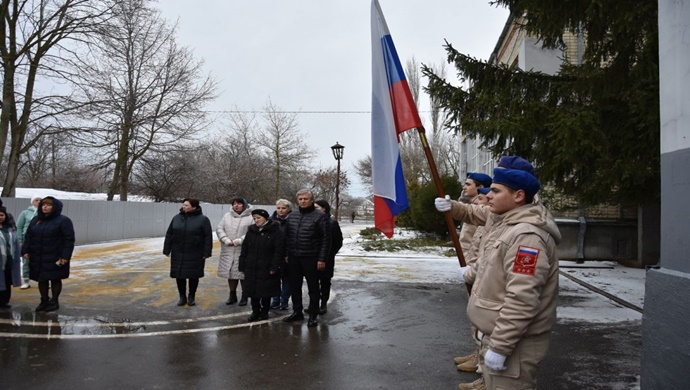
x=442, y=204
x=461, y=273
x=494, y=361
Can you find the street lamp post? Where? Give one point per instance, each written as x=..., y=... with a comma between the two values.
x=338, y=154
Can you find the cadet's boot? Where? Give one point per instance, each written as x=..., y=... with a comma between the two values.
x=476, y=385
x=470, y=365
x=463, y=359
x=243, y=300
x=232, y=299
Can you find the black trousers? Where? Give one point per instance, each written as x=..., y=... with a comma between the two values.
x=260, y=305
x=304, y=268
x=325, y=285
x=5, y=295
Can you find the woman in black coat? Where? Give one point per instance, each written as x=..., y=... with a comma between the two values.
x=326, y=275
x=188, y=242
x=48, y=244
x=262, y=252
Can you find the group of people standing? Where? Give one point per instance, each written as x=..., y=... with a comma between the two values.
x=513, y=269
x=37, y=247
x=267, y=256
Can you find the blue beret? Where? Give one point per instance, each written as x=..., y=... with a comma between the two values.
x=484, y=190
x=481, y=178
x=517, y=179
x=515, y=162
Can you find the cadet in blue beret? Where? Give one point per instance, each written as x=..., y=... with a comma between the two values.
x=515, y=285
x=515, y=162
x=517, y=180
x=475, y=182
x=481, y=179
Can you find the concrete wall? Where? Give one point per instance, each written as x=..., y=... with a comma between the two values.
x=665, y=320
x=604, y=239
x=99, y=221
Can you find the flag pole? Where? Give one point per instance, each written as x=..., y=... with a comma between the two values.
x=439, y=188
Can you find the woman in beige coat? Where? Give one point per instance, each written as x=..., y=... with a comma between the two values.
x=230, y=231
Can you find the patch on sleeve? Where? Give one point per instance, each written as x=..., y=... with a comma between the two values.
x=526, y=261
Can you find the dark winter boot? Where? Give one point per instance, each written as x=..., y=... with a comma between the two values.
x=42, y=306
x=52, y=305
x=232, y=299
x=253, y=317
x=263, y=314
x=312, y=321
x=182, y=301
x=243, y=300
x=190, y=300
x=323, y=309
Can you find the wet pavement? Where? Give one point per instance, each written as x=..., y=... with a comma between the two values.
x=119, y=327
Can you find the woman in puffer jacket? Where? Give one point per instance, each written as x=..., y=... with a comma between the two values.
x=230, y=231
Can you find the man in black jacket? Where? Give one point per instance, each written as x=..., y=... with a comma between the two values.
x=308, y=241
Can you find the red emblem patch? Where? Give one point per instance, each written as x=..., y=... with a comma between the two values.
x=526, y=261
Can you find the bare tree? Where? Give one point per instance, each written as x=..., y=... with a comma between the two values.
x=325, y=182
x=145, y=90
x=30, y=30
x=54, y=162
x=438, y=115
x=445, y=144
x=412, y=70
x=285, y=146
x=363, y=171
x=165, y=176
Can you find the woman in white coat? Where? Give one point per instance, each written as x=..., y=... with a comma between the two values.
x=230, y=231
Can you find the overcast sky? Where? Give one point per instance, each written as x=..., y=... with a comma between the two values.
x=315, y=55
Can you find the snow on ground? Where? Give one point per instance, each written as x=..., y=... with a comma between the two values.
x=62, y=195
x=353, y=263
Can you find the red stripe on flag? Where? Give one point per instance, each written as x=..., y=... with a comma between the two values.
x=404, y=110
x=384, y=221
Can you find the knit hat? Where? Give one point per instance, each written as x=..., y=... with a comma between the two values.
x=481, y=178
x=260, y=212
x=517, y=179
x=33, y=198
x=239, y=199
x=324, y=205
x=516, y=162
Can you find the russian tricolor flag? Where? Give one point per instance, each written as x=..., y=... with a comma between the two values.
x=392, y=112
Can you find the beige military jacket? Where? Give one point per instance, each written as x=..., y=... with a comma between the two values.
x=473, y=255
x=466, y=234
x=515, y=291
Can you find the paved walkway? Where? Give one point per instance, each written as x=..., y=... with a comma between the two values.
x=395, y=322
